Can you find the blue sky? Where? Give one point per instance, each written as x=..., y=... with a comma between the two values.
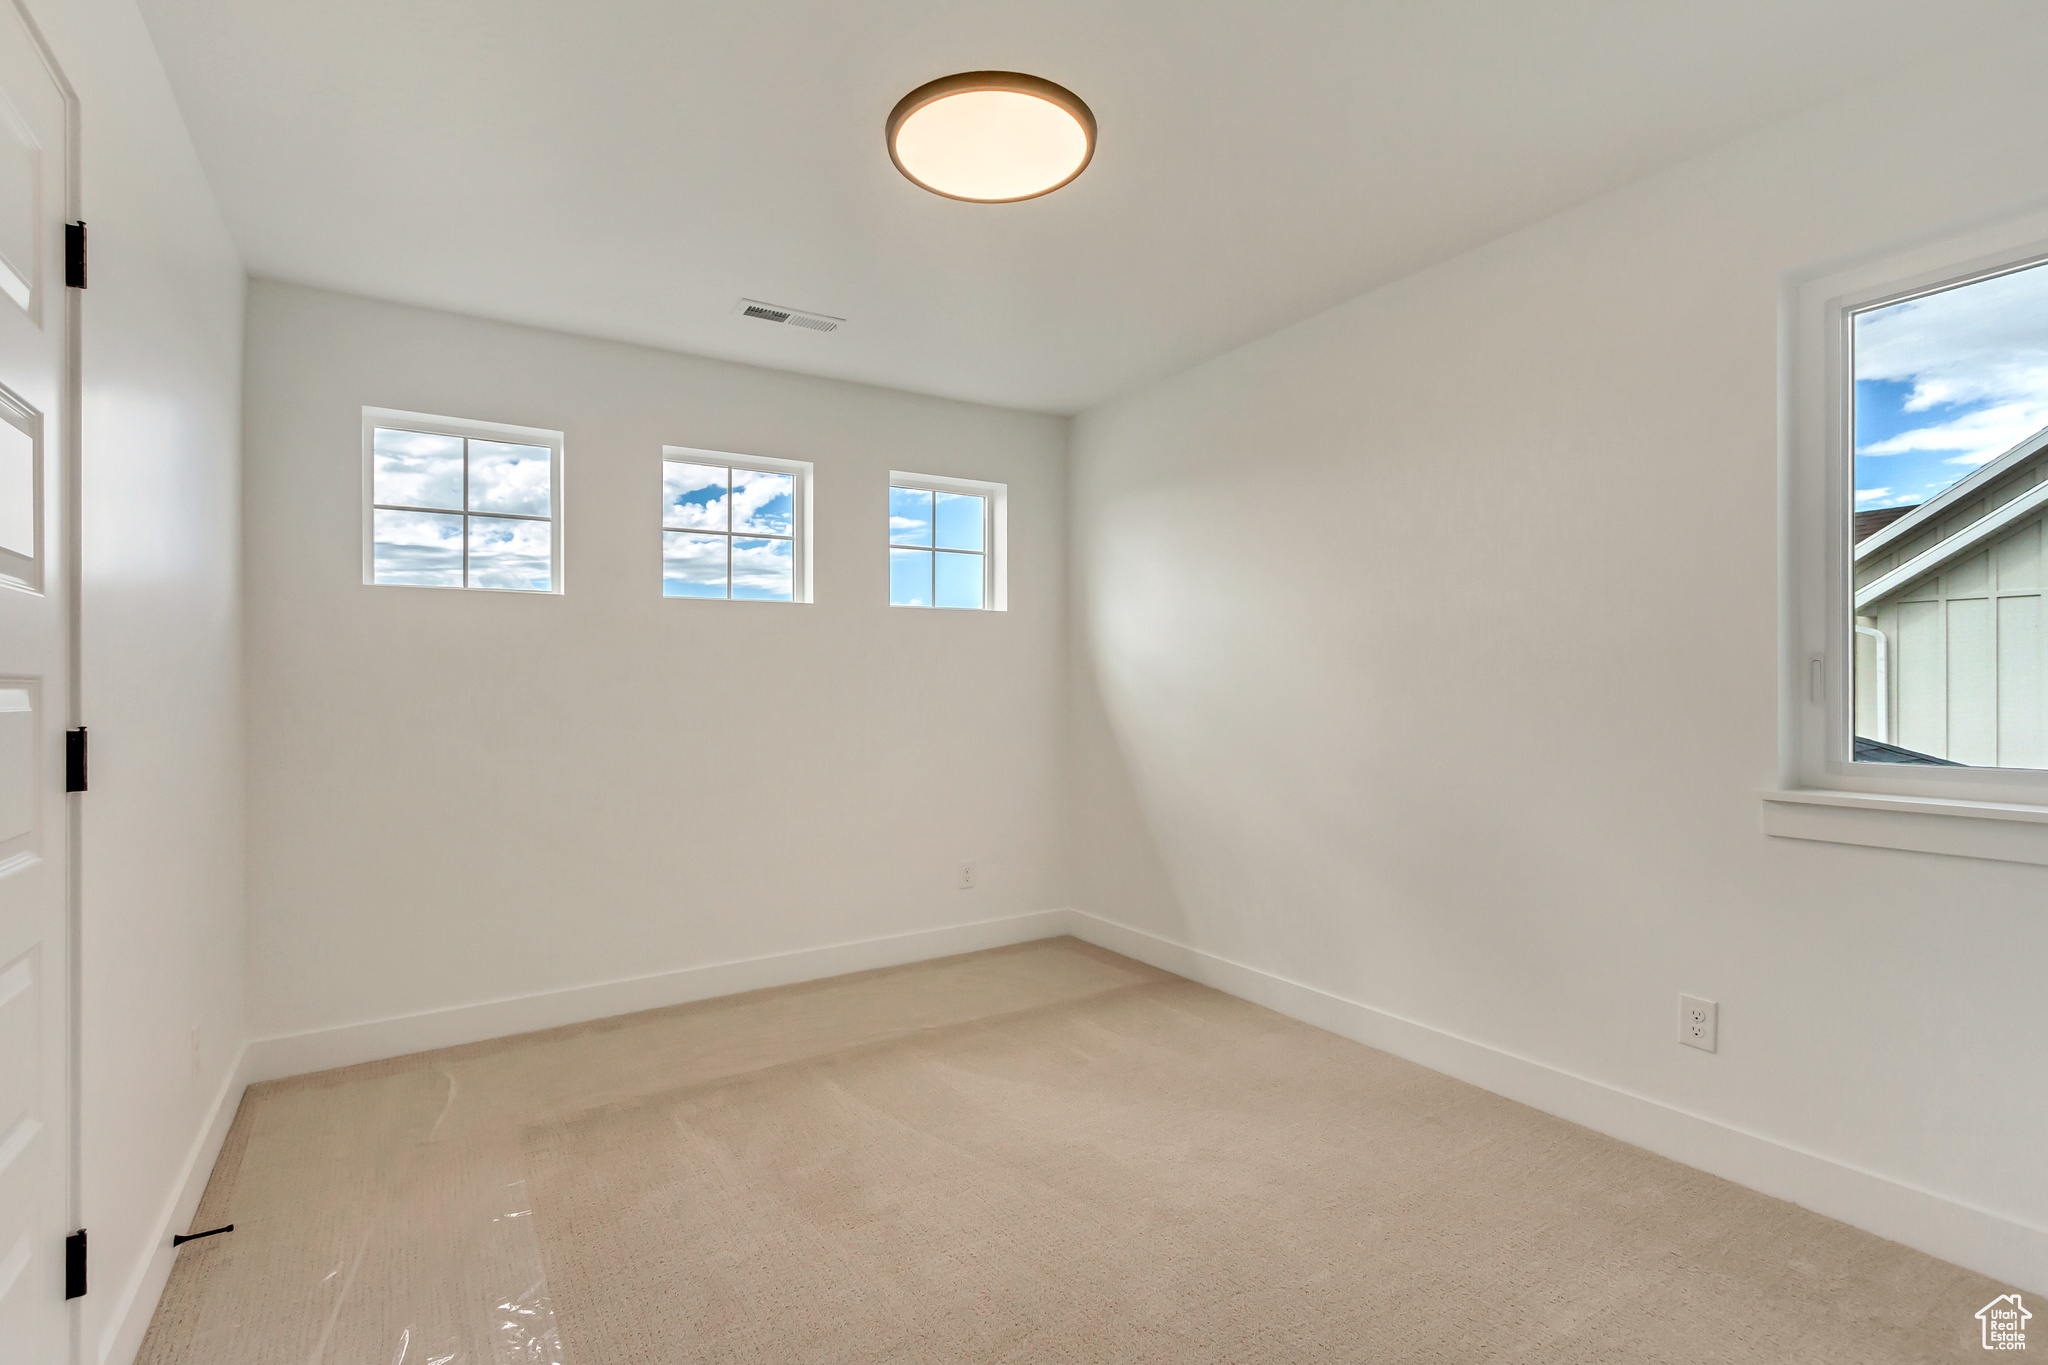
x=1947, y=383
x=923, y=577
x=701, y=502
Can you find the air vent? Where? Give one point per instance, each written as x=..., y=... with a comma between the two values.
x=794, y=317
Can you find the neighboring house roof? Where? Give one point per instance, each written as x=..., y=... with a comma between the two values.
x=1967, y=539
x=1877, y=751
x=1932, y=509
x=1870, y=523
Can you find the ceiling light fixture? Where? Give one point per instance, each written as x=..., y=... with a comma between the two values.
x=991, y=137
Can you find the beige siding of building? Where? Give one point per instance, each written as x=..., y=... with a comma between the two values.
x=1967, y=647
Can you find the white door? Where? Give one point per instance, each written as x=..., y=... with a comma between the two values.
x=35, y=697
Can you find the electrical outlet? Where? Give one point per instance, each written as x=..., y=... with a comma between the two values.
x=967, y=876
x=1699, y=1022
x=195, y=1052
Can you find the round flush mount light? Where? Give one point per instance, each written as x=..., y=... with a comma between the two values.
x=991, y=137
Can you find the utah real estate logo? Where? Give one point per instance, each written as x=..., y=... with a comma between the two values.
x=2005, y=1323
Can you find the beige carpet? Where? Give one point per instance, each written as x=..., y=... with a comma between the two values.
x=1041, y=1153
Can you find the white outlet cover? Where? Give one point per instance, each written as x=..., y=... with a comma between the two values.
x=1699, y=1023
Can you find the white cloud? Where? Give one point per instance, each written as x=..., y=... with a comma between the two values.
x=509, y=554
x=509, y=478
x=694, y=559
x=693, y=495
x=761, y=568
x=414, y=469
x=420, y=548
x=1867, y=494
x=1980, y=436
x=762, y=502
x=696, y=565
x=1984, y=346
x=910, y=516
x=697, y=496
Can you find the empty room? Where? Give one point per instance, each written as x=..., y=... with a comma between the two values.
x=964, y=681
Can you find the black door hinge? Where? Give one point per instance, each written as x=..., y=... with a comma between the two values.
x=74, y=760
x=74, y=255
x=74, y=1265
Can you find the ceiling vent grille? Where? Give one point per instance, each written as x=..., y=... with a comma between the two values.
x=794, y=317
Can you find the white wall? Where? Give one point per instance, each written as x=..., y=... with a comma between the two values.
x=460, y=797
x=162, y=876
x=1427, y=654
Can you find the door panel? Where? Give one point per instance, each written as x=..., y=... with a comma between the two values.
x=21, y=493
x=21, y=206
x=36, y=698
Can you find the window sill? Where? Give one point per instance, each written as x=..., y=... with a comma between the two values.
x=1916, y=824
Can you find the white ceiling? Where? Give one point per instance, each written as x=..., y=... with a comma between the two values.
x=630, y=169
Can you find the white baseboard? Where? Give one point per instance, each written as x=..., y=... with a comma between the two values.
x=1978, y=1239
x=128, y=1323
x=294, y=1054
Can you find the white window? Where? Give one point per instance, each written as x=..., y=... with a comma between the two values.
x=449, y=503
x=946, y=542
x=1916, y=628
x=734, y=527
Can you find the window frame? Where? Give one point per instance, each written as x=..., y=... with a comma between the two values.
x=1817, y=551
x=428, y=424
x=801, y=472
x=995, y=534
